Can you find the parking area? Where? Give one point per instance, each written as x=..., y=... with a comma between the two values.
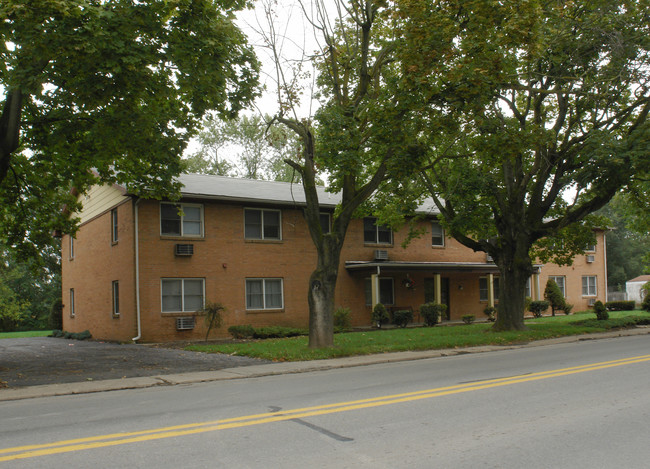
x=37, y=361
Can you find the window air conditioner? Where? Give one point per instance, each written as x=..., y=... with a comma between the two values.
x=184, y=249
x=185, y=323
x=381, y=255
x=488, y=258
x=591, y=258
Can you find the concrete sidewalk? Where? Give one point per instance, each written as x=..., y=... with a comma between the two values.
x=254, y=371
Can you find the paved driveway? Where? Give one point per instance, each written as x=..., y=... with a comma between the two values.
x=46, y=360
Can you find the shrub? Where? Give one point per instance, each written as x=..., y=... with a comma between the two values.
x=57, y=333
x=342, y=319
x=601, y=311
x=72, y=335
x=538, y=307
x=646, y=303
x=241, y=332
x=620, y=305
x=213, y=316
x=380, y=315
x=277, y=332
x=553, y=295
x=567, y=308
x=402, y=317
x=490, y=312
x=56, y=314
x=432, y=312
x=468, y=318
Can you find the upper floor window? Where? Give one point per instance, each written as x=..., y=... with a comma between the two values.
x=325, y=223
x=589, y=286
x=116, y=298
x=560, y=281
x=181, y=219
x=437, y=234
x=262, y=224
x=71, y=247
x=182, y=294
x=114, y=233
x=376, y=234
x=483, y=288
x=591, y=247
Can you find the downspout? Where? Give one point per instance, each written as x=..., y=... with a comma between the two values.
x=605, y=260
x=137, y=274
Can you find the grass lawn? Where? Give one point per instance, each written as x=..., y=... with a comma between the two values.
x=417, y=338
x=16, y=335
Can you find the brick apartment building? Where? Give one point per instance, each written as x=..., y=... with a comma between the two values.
x=138, y=269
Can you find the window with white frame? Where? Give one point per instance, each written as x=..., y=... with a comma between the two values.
x=437, y=234
x=386, y=291
x=483, y=288
x=262, y=224
x=376, y=234
x=181, y=219
x=560, y=281
x=114, y=232
x=72, y=308
x=325, y=223
x=264, y=293
x=589, y=285
x=71, y=247
x=116, y=298
x=182, y=295
x=591, y=247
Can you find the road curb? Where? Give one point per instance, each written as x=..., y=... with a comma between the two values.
x=273, y=369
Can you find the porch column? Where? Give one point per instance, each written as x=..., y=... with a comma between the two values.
x=535, y=286
x=374, y=290
x=491, y=290
x=437, y=295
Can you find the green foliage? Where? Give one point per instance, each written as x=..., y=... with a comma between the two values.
x=56, y=314
x=554, y=296
x=116, y=87
x=620, y=305
x=242, y=332
x=432, y=312
x=342, y=321
x=402, y=317
x=601, y=311
x=646, y=303
x=271, y=332
x=468, y=318
x=614, y=323
x=567, y=308
x=490, y=312
x=213, y=316
x=85, y=335
x=538, y=307
x=380, y=315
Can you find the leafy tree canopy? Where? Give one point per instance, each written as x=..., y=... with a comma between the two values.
x=111, y=85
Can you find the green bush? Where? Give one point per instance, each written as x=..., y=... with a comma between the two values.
x=379, y=315
x=56, y=314
x=601, y=311
x=554, y=296
x=213, y=318
x=342, y=320
x=567, y=308
x=402, y=317
x=490, y=312
x=620, y=305
x=468, y=318
x=277, y=332
x=72, y=335
x=646, y=303
x=432, y=312
x=245, y=331
x=538, y=307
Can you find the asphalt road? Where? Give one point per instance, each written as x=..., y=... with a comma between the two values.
x=574, y=405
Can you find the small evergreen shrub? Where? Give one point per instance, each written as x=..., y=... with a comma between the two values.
x=490, y=312
x=567, y=308
x=277, y=332
x=553, y=295
x=432, y=312
x=538, y=307
x=380, y=315
x=620, y=305
x=601, y=311
x=468, y=318
x=402, y=317
x=245, y=331
x=342, y=320
x=646, y=303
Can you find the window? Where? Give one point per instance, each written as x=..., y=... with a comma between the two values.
x=71, y=247
x=116, y=298
x=264, y=293
x=483, y=288
x=376, y=234
x=72, y=311
x=437, y=234
x=560, y=281
x=589, y=285
x=386, y=291
x=182, y=294
x=591, y=247
x=181, y=219
x=262, y=224
x=325, y=223
x=114, y=234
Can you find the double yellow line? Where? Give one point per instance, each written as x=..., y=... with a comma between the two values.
x=103, y=441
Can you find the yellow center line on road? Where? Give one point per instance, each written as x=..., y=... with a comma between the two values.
x=102, y=441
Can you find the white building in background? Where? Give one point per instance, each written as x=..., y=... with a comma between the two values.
x=633, y=288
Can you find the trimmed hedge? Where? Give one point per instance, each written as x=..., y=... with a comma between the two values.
x=72, y=335
x=271, y=332
x=620, y=305
x=402, y=317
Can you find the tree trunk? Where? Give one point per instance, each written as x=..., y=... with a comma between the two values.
x=322, y=285
x=515, y=267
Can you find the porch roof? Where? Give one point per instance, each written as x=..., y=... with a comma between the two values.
x=408, y=266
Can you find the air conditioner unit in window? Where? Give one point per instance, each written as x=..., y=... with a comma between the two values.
x=591, y=258
x=183, y=249
x=488, y=258
x=185, y=323
x=591, y=302
x=381, y=255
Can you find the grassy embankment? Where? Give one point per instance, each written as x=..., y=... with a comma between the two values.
x=17, y=335
x=421, y=338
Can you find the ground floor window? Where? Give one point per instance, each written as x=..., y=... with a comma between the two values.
x=560, y=281
x=386, y=291
x=116, y=298
x=589, y=287
x=264, y=293
x=483, y=288
x=182, y=294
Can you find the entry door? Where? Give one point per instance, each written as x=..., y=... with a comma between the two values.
x=429, y=292
x=444, y=295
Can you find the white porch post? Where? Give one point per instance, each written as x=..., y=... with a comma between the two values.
x=374, y=289
x=437, y=292
x=491, y=290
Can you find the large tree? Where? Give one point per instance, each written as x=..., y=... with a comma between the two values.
x=113, y=86
x=536, y=117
